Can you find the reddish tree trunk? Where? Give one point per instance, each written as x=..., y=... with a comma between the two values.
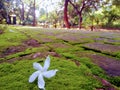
x=80, y=21
x=65, y=14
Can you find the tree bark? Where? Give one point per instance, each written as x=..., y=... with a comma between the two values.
x=8, y=19
x=65, y=14
x=79, y=12
x=80, y=15
x=34, y=16
x=22, y=11
x=14, y=20
x=22, y=16
x=80, y=20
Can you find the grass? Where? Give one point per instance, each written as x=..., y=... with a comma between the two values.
x=14, y=76
x=9, y=38
x=117, y=54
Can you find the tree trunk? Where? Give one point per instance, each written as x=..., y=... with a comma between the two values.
x=14, y=20
x=22, y=11
x=80, y=20
x=8, y=19
x=65, y=14
x=79, y=12
x=34, y=16
x=22, y=16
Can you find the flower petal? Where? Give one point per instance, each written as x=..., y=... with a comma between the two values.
x=46, y=63
x=41, y=82
x=33, y=76
x=49, y=74
x=37, y=66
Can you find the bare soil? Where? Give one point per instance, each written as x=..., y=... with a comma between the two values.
x=20, y=48
x=103, y=47
x=110, y=65
x=13, y=49
x=1, y=31
x=32, y=42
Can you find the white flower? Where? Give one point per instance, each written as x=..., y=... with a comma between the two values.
x=42, y=72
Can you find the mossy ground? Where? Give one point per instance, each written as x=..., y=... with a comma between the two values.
x=69, y=54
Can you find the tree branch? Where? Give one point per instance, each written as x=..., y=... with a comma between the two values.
x=74, y=6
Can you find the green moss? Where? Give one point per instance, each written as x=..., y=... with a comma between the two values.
x=115, y=80
x=71, y=49
x=69, y=76
x=117, y=54
x=9, y=38
x=15, y=76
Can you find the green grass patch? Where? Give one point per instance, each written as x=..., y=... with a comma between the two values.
x=11, y=37
x=15, y=76
x=115, y=81
x=117, y=55
x=87, y=62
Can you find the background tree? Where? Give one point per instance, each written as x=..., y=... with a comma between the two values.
x=112, y=14
x=81, y=13
x=2, y=11
x=65, y=14
x=6, y=8
x=82, y=6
